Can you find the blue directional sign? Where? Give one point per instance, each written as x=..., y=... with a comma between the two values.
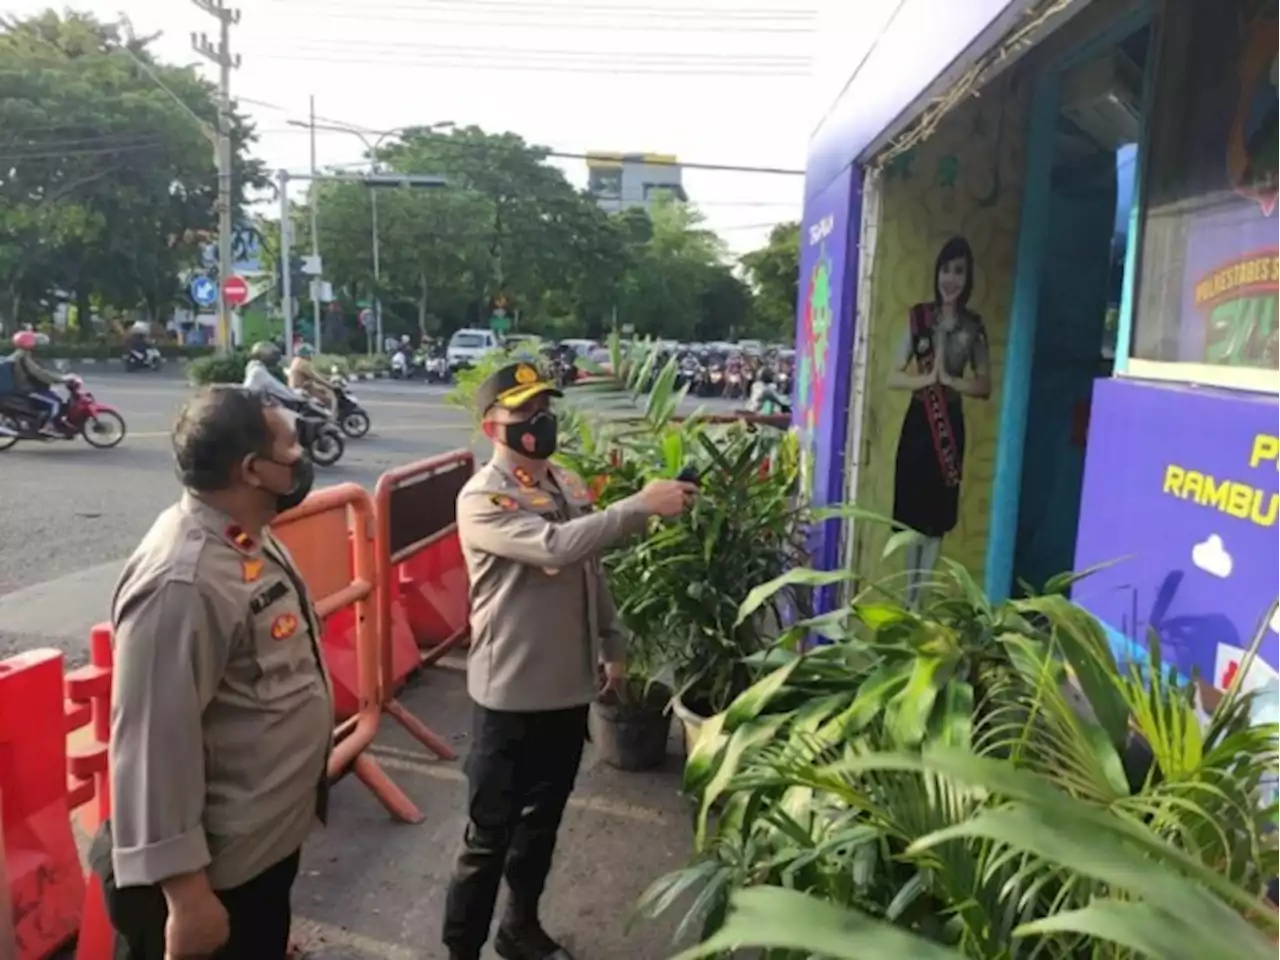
x=204, y=291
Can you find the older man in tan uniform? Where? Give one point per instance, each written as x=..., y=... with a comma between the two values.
x=222, y=715
x=543, y=629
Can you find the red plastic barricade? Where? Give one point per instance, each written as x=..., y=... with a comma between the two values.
x=422, y=608
x=330, y=536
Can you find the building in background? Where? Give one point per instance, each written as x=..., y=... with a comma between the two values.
x=622, y=180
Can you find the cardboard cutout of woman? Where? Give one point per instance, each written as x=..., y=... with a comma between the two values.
x=941, y=358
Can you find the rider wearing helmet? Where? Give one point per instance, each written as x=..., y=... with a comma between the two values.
x=35, y=382
x=304, y=379
x=264, y=357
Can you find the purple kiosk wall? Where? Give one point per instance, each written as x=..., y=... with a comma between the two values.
x=824, y=348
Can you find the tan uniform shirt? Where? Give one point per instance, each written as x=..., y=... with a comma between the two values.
x=542, y=617
x=221, y=712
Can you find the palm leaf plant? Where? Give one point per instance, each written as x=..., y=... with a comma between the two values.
x=678, y=590
x=1025, y=689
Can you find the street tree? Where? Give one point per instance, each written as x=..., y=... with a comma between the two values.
x=105, y=181
x=774, y=273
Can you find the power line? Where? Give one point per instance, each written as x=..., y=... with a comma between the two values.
x=541, y=8
x=458, y=62
x=639, y=56
x=710, y=27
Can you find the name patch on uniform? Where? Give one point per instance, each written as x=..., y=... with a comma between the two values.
x=537, y=499
x=252, y=569
x=284, y=626
x=502, y=501
x=268, y=596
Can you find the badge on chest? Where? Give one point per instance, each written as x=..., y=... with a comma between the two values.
x=267, y=596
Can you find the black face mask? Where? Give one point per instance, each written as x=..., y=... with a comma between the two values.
x=534, y=438
x=304, y=477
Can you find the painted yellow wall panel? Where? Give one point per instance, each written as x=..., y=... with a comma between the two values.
x=966, y=180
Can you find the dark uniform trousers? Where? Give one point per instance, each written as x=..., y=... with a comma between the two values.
x=259, y=911
x=520, y=772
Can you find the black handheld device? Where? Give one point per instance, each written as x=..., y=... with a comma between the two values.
x=689, y=475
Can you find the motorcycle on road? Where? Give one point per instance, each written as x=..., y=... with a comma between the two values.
x=146, y=358
x=99, y=424
x=318, y=434
x=353, y=419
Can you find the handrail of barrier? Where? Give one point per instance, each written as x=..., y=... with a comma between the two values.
x=318, y=533
x=402, y=534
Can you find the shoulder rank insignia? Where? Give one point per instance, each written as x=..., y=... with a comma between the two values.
x=524, y=477
x=252, y=569
x=241, y=539
x=284, y=626
x=502, y=501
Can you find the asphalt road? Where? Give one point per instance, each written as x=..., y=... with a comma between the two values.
x=70, y=514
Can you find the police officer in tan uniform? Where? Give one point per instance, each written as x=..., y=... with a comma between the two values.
x=222, y=715
x=543, y=631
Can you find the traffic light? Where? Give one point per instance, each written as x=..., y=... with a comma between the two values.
x=299, y=282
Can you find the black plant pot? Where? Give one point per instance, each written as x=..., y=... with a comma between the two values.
x=632, y=735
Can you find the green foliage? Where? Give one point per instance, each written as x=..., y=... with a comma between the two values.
x=227, y=368
x=774, y=272
x=678, y=590
x=975, y=780
x=510, y=223
x=108, y=185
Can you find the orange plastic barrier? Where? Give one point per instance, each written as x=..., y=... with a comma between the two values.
x=330, y=536
x=422, y=606
x=46, y=888
x=8, y=946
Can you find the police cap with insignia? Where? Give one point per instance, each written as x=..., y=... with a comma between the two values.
x=513, y=386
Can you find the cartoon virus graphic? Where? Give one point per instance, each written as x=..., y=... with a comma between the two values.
x=814, y=333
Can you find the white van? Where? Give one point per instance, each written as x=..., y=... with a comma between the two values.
x=468, y=346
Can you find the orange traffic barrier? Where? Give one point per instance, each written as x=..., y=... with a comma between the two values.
x=8, y=946
x=330, y=538
x=46, y=887
x=422, y=604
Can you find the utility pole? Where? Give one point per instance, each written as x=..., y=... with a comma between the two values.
x=221, y=55
x=315, y=227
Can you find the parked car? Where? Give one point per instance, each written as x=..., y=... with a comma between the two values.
x=469, y=345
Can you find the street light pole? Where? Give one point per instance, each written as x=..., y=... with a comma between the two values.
x=372, y=148
x=315, y=224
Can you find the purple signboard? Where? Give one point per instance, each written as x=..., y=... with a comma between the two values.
x=1180, y=488
x=824, y=345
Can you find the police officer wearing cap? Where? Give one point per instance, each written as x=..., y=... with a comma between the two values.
x=222, y=714
x=543, y=632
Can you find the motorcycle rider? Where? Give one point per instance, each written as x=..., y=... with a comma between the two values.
x=765, y=399
x=304, y=379
x=35, y=382
x=258, y=376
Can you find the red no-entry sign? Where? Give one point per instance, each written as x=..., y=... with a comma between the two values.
x=235, y=291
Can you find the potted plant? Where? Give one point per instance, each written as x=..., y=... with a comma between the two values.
x=678, y=589
x=928, y=785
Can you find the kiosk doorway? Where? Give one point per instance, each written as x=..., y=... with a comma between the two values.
x=1086, y=222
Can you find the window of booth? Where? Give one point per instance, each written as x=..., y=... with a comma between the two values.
x=1206, y=304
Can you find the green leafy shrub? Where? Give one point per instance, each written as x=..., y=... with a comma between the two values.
x=228, y=368
x=678, y=590
x=975, y=780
